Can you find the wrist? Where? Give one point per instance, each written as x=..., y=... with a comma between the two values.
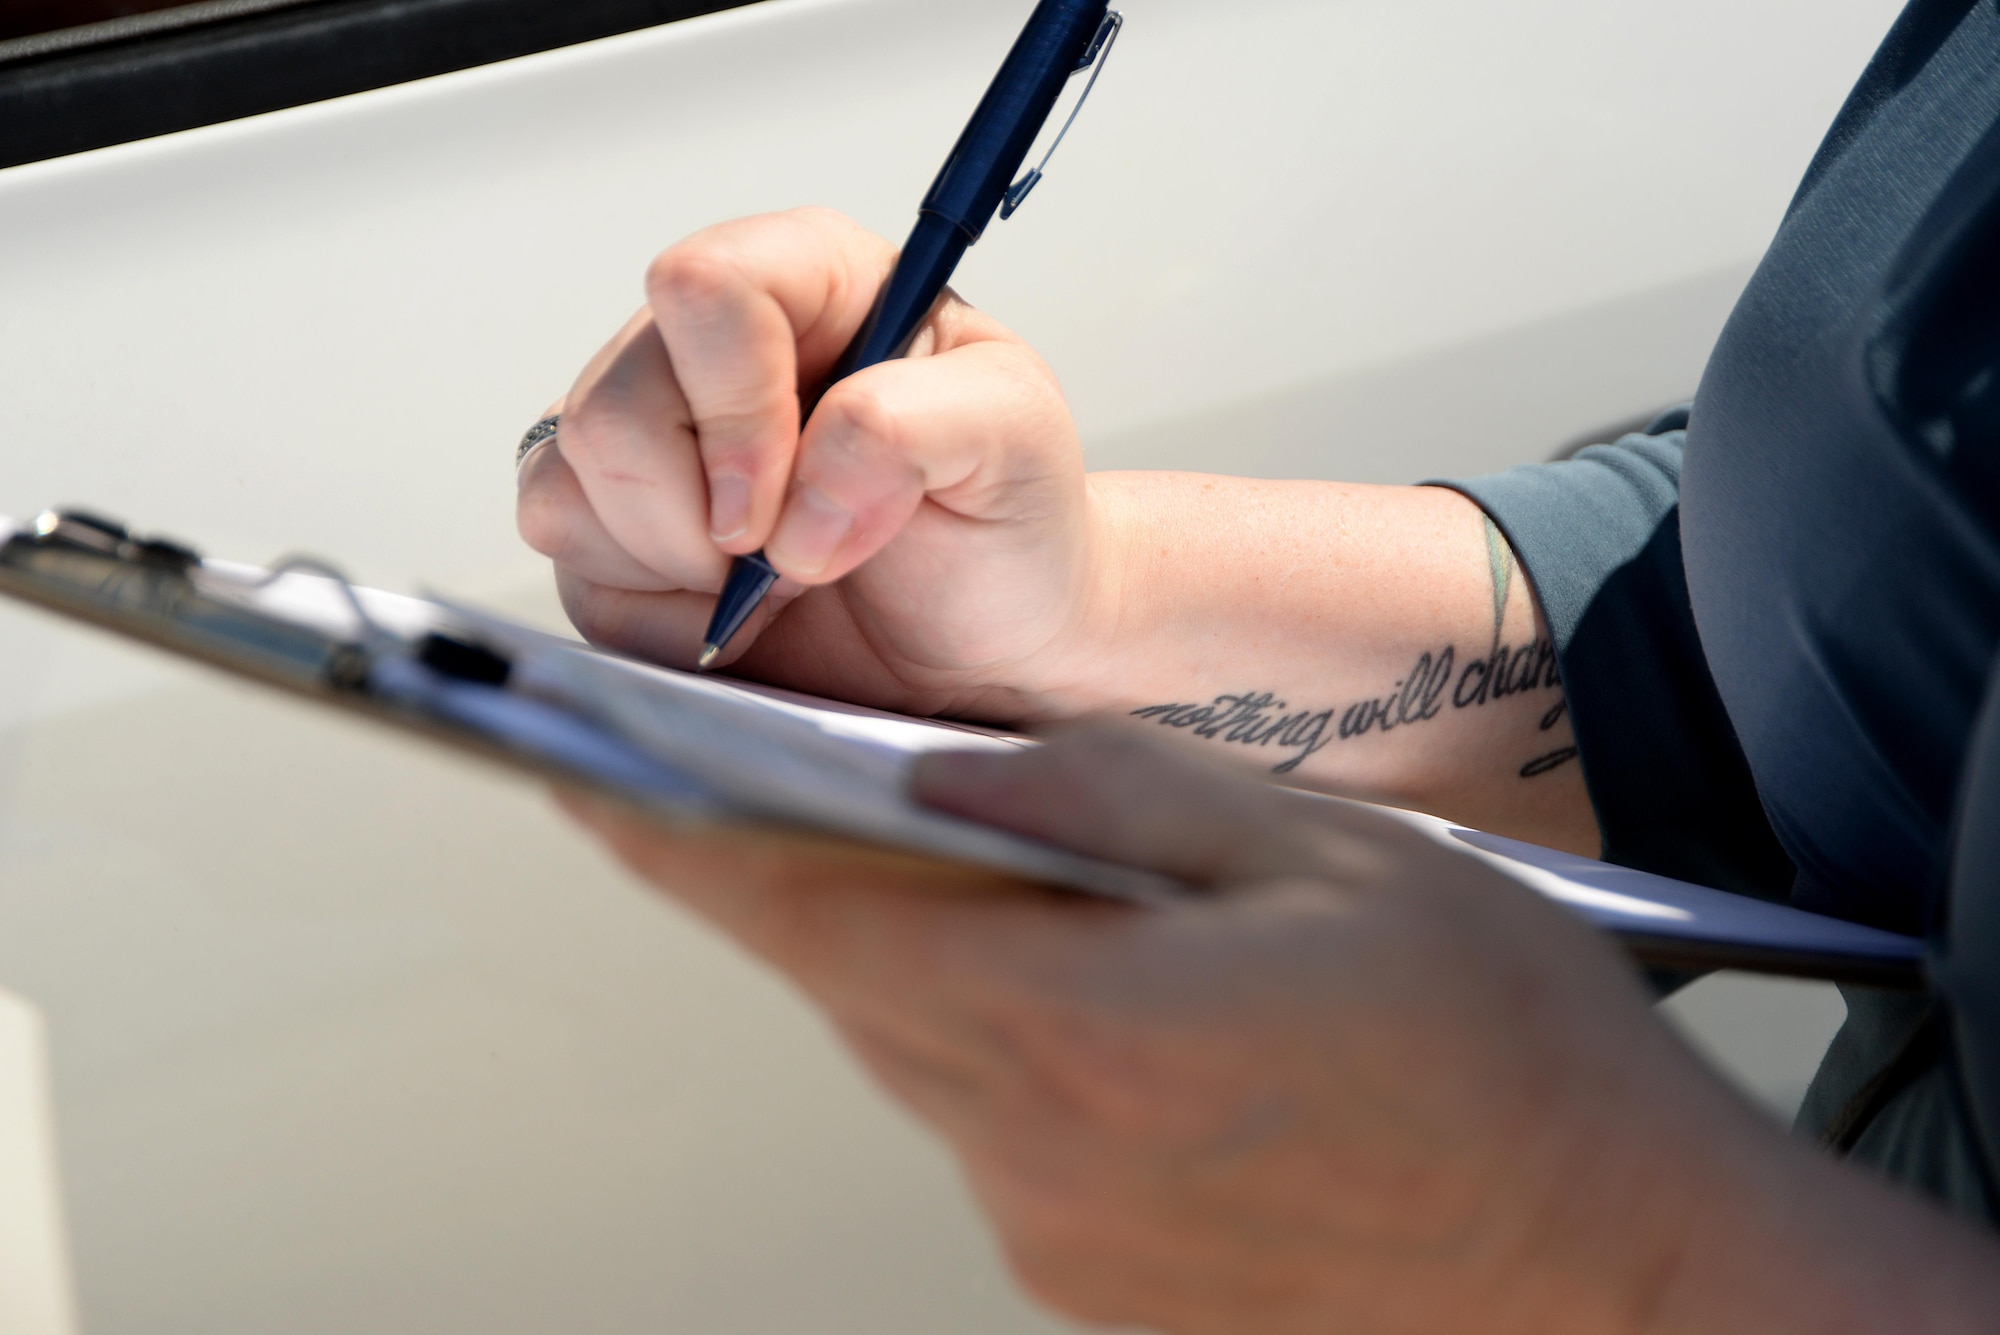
x=1666, y=1206
x=1788, y=1240
x=1074, y=673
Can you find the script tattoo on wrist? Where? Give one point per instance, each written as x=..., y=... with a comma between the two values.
x=1434, y=681
x=1557, y=758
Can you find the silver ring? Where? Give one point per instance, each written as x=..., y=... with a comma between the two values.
x=544, y=430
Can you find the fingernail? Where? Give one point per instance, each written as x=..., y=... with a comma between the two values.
x=813, y=528
x=728, y=506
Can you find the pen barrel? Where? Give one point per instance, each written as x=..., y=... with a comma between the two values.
x=922, y=271
x=996, y=142
x=974, y=180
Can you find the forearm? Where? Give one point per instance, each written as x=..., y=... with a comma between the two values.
x=1376, y=641
x=1793, y=1242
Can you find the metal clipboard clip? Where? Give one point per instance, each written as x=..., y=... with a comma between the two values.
x=1098, y=54
x=159, y=590
x=303, y=627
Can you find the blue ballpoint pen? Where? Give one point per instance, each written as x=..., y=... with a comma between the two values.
x=1063, y=38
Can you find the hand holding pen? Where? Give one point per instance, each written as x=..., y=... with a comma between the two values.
x=702, y=429
x=932, y=519
x=1062, y=38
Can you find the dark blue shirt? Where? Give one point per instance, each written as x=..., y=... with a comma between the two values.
x=1778, y=626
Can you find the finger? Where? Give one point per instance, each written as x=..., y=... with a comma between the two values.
x=846, y=925
x=555, y=518
x=629, y=439
x=752, y=311
x=1112, y=791
x=812, y=906
x=667, y=628
x=949, y=960
x=550, y=414
x=980, y=428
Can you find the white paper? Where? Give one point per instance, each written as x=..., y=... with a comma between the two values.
x=707, y=746
x=1637, y=903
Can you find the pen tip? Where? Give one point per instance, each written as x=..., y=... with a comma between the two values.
x=709, y=653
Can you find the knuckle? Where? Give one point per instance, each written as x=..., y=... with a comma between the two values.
x=588, y=430
x=1118, y=1070
x=543, y=520
x=693, y=276
x=1026, y=373
x=1064, y=1043
x=743, y=441
x=823, y=216
x=602, y=616
x=858, y=415
x=592, y=620
x=839, y=232
x=1041, y=993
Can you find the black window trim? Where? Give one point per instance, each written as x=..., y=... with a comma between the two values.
x=202, y=64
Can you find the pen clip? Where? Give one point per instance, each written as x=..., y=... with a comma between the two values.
x=1098, y=54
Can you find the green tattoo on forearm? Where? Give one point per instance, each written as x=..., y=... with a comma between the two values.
x=1500, y=565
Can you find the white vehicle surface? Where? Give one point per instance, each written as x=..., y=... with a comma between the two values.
x=347, y=1035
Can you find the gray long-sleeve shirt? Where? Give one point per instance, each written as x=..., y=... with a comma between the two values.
x=1778, y=616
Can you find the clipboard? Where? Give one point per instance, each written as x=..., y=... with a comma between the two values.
x=704, y=750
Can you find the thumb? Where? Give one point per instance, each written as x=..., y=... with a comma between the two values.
x=1112, y=791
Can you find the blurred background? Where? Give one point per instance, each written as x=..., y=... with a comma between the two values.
x=329, y=1032
x=27, y=18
